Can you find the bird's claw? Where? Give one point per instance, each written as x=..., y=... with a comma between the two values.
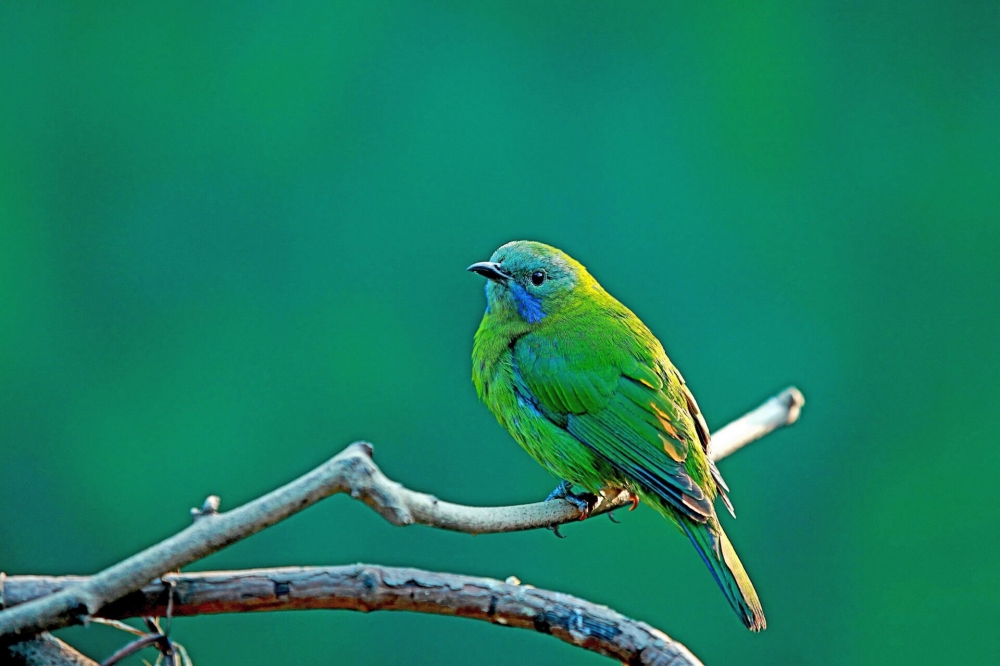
x=555, y=530
x=584, y=502
x=611, y=516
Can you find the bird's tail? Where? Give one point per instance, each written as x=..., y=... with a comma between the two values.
x=719, y=556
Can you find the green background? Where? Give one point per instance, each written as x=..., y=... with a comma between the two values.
x=233, y=240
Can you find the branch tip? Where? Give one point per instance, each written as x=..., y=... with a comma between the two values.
x=793, y=400
x=364, y=448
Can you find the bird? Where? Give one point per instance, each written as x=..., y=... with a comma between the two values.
x=583, y=385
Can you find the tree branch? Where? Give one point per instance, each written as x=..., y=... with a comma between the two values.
x=46, y=650
x=781, y=410
x=351, y=471
x=367, y=588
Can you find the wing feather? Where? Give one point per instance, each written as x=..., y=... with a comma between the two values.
x=625, y=411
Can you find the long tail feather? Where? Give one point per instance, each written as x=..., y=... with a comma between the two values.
x=719, y=556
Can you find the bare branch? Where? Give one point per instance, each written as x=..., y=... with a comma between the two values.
x=367, y=588
x=781, y=410
x=401, y=506
x=351, y=471
x=44, y=650
x=210, y=533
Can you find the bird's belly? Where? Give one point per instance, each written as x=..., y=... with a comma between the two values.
x=564, y=456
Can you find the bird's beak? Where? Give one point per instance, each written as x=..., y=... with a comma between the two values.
x=489, y=270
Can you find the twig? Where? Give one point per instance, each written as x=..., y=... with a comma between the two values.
x=154, y=636
x=351, y=471
x=129, y=649
x=367, y=588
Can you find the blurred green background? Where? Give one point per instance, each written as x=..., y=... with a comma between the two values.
x=233, y=240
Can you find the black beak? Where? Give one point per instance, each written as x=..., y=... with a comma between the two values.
x=489, y=270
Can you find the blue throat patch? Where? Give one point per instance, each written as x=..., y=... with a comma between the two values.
x=528, y=305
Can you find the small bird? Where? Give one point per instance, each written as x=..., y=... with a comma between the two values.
x=588, y=391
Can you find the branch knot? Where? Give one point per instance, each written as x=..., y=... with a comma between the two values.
x=208, y=508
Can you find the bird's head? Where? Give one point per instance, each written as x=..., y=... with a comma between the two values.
x=530, y=281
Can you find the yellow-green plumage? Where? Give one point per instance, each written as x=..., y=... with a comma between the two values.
x=584, y=386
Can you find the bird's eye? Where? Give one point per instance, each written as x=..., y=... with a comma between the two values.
x=537, y=278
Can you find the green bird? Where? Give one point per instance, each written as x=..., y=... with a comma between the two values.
x=588, y=391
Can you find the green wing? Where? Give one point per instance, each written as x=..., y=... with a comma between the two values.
x=625, y=402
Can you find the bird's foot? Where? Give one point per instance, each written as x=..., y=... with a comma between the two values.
x=560, y=492
x=555, y=530
x=585, y=502
x=608, y=494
